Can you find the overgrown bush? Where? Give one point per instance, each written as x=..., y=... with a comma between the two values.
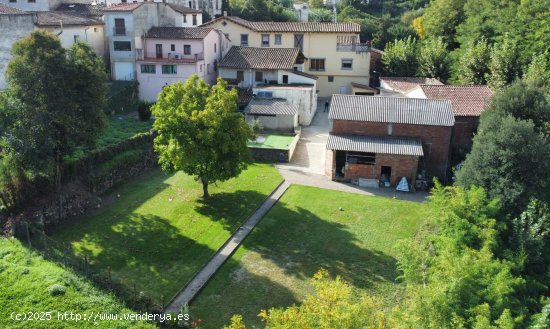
x=144, y=110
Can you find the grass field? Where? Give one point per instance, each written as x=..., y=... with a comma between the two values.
x=273, y=142
x=160, y=231
x=28, y=283
x=304, y=232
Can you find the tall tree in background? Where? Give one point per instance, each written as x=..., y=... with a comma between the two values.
x=441, y=18
x=400, y=58
x=503, y=66
x=433, y=60
x=55, y=102
x=474, y=63
x=201, y=132
x=537, y=72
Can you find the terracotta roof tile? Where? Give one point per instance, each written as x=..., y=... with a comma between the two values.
x=124, y=6
x=405, y=84
x=319, y=27
x=183, y=9
x=7, y=10
x=53, y=18
x=469, y=100
x=260, y=58
x=81, y=9
x=166, y=32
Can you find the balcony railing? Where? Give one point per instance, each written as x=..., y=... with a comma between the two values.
x=355, y=47
x=119, y=30
x=173, y=57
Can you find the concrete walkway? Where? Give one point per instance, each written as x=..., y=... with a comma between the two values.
x=226, y=250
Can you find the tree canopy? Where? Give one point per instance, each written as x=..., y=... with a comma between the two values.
x=200, y=131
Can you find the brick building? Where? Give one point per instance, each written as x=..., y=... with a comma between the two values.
x=388, y=138
x=467, y=103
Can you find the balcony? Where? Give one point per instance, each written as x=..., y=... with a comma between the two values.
x=172, y=57
x=119, y=30
x=353, y=47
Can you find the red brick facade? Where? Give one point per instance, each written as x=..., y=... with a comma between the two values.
x=401, y=166
x=463, y=131
x=435, y=141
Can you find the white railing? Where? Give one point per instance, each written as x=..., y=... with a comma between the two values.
x=356, y=47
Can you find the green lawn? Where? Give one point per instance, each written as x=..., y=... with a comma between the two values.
x=304, y=232
x=273, y=142
x=160, y=231
x=26, y=285
x=120, y=128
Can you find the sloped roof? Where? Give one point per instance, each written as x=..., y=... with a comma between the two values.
x=318, y=27
x=304, y=74
x=184, y=10
x=165, y=32
x=413, y=111
x=469, y=100
x=7, y=10
x=54, y=18
x=82, y=9
x=275, y=106
x=125, y=6
x=261, y=58
x=405, y=84
x=375, y=144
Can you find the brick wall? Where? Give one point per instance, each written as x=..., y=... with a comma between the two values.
x=401, y=166
x=435, y=140
x=463, y=131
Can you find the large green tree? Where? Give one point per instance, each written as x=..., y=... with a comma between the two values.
x=442, y=17
x=54, y=102
x=400, y=58
x=475, y=62
x=433, y=60
x=200, y=131
x=503, y=66
x=538, y=72
x=510, y=155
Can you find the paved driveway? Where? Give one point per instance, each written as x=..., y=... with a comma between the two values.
x=309, y=155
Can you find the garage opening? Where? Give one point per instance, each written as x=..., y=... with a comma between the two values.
x=385, y=175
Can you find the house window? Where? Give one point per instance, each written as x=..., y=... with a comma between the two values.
x=32, y=1
x=95, y=29
x=172, y=47
x=158, y=50
x=148, y=68
x=244, y=40
x=76, y=38
x=285, y=78
x=200, y=68
x=278, y=39
x=265, y=40
x=317, y=64
x=122, y=45
x=185, y=18
x=259, y=76
x=207, y=68
x=13, y=0
x=390, y=129
x=187, y=49
x=215, y=47
x=194, y=19
x=347, y=64
x=330, y=78
x=360, y=158
x=169, y=69
x=240, y=76
x=120, y=27
x=299, y=41
x=123, y=1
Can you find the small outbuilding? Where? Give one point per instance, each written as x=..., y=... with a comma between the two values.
x=274, y=114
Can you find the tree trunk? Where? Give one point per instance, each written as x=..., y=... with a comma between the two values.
x=205, y=187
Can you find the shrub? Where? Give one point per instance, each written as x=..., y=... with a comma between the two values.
x=144, y=110
x=57, y=290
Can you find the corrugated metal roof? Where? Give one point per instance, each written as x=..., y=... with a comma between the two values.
x=260, y=58
x=373, y=144
x=270, y=107
x=413, y=111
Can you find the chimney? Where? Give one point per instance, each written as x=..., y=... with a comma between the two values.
x=225, y=13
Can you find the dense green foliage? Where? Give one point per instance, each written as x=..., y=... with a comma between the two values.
x=263, y=10
x=28, y=283
x=156, y=231
x=201, y=132
x=55, y=102
x=399, y=58
x=510, y=155
x=474, y=64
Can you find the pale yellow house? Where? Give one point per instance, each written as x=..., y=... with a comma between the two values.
x=333, y=51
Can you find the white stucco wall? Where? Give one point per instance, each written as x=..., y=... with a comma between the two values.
x=151, y=84
x=416, y=93
x=39, y=5
x=283, y=123
x=93, y=35
x=12, y=28
x=305, y=98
